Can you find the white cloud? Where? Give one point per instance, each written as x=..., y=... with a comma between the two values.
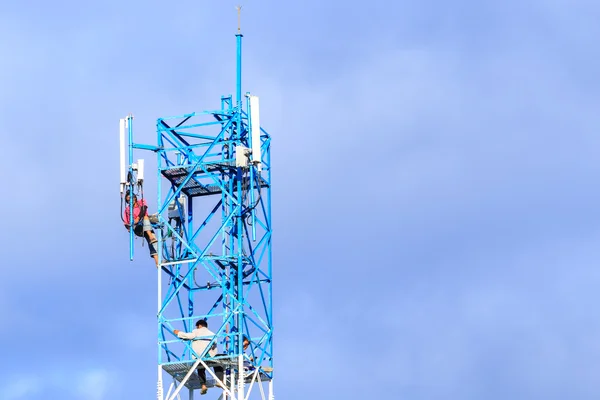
x=524, y=317
x=71, y=381
x=20, y=388
x=94, y=384
x=128, y=330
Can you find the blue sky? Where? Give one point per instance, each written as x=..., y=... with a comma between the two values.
x=435, y=199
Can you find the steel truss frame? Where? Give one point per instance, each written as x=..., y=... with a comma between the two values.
x=214, y=226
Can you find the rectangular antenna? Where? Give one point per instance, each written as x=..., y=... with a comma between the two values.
x=122, y=152
x=140, y=170
x=255, y=131
x=173, y=210
x=241, y=156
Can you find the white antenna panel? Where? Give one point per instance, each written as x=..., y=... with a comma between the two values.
x=140, y=170
x=255, y=131
x=173, y=211
x=122, y=152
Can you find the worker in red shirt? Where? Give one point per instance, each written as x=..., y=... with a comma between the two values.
x=141, y=228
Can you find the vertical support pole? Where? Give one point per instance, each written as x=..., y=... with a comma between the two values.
x=240, y=284
x=238, y=89
x=225, y=154
x=240, y=374
x=224, y=247
x=159, y=386
x=239, y=249
x=270, y=255
x=159, y=382
x=130, y=183
x=232, y=383
x=238, y=37
x=189, y=323
x=191, y=396
x=239, y=292
x=271, y=394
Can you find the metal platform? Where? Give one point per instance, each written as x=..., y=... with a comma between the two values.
x=193, y=187
x=179, y=371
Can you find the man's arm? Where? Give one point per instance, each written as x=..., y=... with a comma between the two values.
x=127, y=216
x=143, y=209
x=126, y=219
x=185, y=335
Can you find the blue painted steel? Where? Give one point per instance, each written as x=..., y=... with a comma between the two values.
x=131, y=183
x=216, y=255
x=238, y=85
x=145, y=147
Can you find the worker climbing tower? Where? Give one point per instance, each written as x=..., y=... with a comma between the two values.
x=213, y=225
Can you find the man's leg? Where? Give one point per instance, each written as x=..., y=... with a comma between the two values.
x=138, y=229
x=148, y=230
x=219, y=374
x=152, y=249
x=151, y=239
x=202, y=377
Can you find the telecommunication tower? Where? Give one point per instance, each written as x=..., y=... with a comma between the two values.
x=213, y=225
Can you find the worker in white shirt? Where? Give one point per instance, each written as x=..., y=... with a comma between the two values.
x=199, y=346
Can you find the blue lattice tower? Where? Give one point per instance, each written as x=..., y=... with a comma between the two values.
x=213, y=223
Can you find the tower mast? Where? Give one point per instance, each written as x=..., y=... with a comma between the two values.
x=214, y=231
